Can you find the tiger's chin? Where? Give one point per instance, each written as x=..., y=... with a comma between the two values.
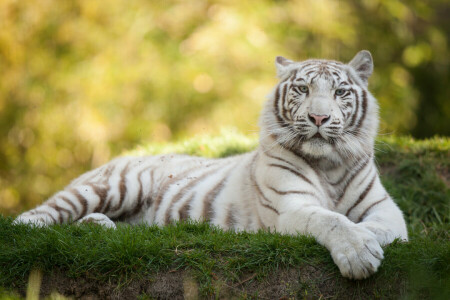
x=317, y=147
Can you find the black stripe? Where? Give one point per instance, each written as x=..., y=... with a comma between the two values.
x=53, y=205
x=353, y=176
x=314, y=78
x=365, y=212
x=278, y=158
x=352, y=79
x=68, y=201
x=293, y=75
x=340, y=179
x=292, y=192
x=102, y=193
x=211, y=197
x=82, y=200
x=280, y=120
x=258, y=190
x=43, y=212
x=122, y=188
x=261, y=195
x=149, y=199
x=352, y=122
x=105, y=210
x=363, y=108
x=139, y=203
x=230, y=219
x=183, y=212
x=292, y=171
x=362, y=196
x=140, y=193
x=60, y=209
x=181, y=193
x=284, y=102
x=299, y=155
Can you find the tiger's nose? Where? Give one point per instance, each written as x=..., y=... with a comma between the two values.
x=318, y=119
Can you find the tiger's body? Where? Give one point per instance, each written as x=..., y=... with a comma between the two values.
x=313, y=173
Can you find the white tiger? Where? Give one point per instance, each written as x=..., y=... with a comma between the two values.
x=313, y=173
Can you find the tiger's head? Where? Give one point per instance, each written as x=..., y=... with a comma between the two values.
x=322, y=108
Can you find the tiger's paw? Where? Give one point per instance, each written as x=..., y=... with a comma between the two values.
x=39, y=220
x=357, y=254
x=384, y=235
x=97, y=218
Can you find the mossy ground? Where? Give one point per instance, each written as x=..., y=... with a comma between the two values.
x=224, y=264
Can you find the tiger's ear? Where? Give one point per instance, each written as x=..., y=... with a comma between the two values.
x=282, y=65
x=363, y=65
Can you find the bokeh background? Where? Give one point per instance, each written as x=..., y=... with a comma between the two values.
x=82, y=81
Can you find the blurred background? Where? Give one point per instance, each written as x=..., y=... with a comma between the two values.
x=83, y=81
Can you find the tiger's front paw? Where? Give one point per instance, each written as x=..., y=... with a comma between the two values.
x=384, y=235
x=357, y=253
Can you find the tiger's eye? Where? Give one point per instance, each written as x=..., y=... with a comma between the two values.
x=340, y=92
x=303, y=88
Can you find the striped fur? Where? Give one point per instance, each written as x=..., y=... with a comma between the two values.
x=303, y=178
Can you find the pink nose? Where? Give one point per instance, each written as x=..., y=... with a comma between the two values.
x=318, y=120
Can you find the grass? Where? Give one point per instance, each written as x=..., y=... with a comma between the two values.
x=416, y=173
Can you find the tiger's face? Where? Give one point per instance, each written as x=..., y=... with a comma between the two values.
x=321, y=106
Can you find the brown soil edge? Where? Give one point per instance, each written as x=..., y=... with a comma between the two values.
x=306, y=282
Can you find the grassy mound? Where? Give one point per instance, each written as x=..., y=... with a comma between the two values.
x=190, y=259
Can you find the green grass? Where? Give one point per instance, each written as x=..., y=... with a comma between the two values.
x=416, y=173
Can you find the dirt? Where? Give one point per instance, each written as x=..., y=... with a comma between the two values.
x=307, y=282
x=167, y=285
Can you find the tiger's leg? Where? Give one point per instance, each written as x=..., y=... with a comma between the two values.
x=354, y=249
x=65, y=206
x=115, y=190
x=376, y=211
x=382, y=217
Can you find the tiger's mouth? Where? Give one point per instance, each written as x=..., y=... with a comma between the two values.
x=319, y=139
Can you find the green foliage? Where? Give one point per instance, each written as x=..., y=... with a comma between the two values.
x=80, y=81
x=228, y=143
x=417, y=175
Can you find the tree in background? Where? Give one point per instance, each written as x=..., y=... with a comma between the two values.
x=81, y=81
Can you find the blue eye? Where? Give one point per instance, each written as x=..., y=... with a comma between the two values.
x=340, y=92
x=303, y=88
